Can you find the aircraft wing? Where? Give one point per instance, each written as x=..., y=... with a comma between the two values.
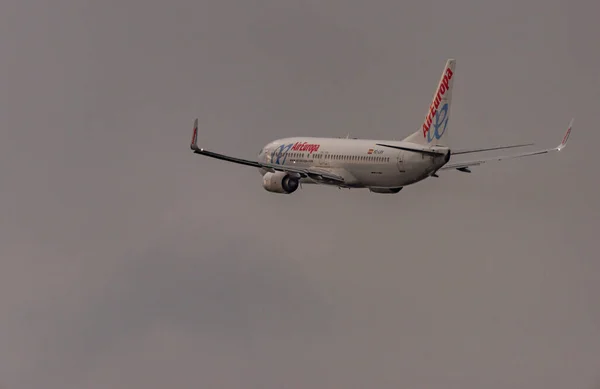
x=319, y=175
x=464, y=166
x=477, y=150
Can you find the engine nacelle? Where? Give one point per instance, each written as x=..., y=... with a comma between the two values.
x=280, y=182
x=386, y=190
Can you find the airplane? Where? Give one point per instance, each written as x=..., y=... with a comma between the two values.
x=382, y=166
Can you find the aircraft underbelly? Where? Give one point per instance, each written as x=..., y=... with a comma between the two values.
x=385, y=175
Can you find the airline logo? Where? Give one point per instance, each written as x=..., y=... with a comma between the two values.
x=435, y=104
x=303, y=146
x=279, y=155
x=370, y=151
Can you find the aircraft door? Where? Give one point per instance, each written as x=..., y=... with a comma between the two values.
x=401, y=166
x=323, y=161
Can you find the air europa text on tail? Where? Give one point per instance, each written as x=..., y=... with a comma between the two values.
x=435, y=104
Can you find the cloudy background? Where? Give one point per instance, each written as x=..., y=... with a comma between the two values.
x=129, y=262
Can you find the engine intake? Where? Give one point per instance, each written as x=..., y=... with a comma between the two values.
x=280, y=182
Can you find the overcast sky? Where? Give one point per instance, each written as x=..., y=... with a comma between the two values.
x=129, y=262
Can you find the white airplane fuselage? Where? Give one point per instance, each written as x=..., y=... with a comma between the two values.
x=379, y=165
x=361, y=162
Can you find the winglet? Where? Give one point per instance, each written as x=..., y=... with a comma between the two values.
x=566, y=137
x=194, y=144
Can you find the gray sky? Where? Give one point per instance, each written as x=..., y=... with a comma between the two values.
x=127, y=261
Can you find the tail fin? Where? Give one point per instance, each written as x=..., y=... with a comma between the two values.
x=434, y=129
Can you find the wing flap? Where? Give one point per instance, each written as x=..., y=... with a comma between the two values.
x=477, y=150
x=228, y=158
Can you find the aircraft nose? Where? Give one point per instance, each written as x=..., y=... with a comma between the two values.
x=262, y=156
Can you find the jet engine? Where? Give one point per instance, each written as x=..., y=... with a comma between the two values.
x=280, y=182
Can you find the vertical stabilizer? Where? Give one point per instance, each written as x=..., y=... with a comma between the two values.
x=433, y=131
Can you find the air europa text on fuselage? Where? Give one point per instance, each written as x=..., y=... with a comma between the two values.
x=303, y=146
x=442, y=89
